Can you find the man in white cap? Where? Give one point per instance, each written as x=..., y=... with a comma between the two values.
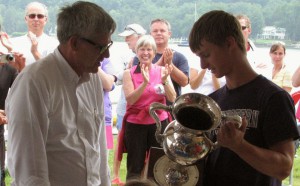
x=132, y=33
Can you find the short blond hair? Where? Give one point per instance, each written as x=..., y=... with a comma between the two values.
x=36, y=4
x=144, y=41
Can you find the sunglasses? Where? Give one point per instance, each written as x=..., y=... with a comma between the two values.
x=244, y=27
x=130, y=29
x=101, y=48
x=39, y=16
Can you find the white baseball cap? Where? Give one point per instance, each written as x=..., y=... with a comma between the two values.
x=133, y=29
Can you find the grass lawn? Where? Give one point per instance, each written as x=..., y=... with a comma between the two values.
x=296, y=169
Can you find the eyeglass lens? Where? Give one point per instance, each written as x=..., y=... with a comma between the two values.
x=102, y=48
x=39, y=16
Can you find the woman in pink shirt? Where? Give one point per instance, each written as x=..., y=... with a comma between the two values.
x=144, y=84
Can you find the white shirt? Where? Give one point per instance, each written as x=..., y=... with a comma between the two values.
x=206, y=86
x=259, y=66
x=22, y=44
x=56, y=132
x=121, y=105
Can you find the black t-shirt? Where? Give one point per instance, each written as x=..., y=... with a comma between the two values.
x=270, y=113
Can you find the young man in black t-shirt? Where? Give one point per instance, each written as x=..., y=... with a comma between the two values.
x=261, y=151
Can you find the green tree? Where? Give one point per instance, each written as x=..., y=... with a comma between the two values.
x=180, y=13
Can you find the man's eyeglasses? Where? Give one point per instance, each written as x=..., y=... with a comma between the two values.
x=101, y=48
x=244, y=27
x=39, y=16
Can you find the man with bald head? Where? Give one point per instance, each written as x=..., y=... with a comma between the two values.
x=35, y=44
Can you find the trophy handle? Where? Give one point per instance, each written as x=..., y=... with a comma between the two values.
x=158, y=106
x=236, y=119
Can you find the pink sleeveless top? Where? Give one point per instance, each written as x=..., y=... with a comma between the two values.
x=138, y=113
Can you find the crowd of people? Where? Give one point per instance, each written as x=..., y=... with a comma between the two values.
x=59, y=112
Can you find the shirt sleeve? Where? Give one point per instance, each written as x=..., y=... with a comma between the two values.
x=104, y=168
x=287, y=79
x=27, y=133
x=181, y=62
x=282, y=125
x=108, y=67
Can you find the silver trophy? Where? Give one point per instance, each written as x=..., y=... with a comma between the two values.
x=184, y=140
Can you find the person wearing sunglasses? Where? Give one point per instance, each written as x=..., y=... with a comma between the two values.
x=55, y=108
x=35, y=44
x=261, y=67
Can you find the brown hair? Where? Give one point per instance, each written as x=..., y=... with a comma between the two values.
x=275, y=47
x=162, y=21
x=215, y=27
x=83, y=19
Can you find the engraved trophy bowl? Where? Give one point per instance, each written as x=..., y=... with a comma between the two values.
x=184, y=140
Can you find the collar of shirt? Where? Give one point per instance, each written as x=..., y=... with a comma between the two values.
x=69, y=74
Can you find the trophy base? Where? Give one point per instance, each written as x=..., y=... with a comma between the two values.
x=168, y=173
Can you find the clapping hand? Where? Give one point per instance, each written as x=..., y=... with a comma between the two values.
x=5, y=41
x=34, y=45
x=166, y=72
x=145, y=73
x=168, y=56
x=32, y=38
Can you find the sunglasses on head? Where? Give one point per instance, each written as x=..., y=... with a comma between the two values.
x=39, y=16
x=129, y=28
x=244, y=27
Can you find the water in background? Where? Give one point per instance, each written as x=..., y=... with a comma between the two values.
x=120, y=49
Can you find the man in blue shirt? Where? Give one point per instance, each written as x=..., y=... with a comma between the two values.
x=160, y=29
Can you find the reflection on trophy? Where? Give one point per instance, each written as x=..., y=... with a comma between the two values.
x=184, y=140
x=167, y=172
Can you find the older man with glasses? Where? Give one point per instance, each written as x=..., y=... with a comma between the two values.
x=56, y=132
x=35, y=44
